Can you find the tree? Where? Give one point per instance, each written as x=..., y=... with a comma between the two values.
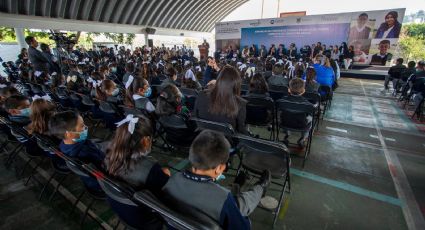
x=412, y=42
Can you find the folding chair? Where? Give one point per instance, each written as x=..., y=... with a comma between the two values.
x=259, y=155
x=292, y=117
x=120, y=198
x=190, y=96
x=176, y=130
x=326, y=96
x=77, y=168
x=278, y=91
x=244, y=89
x=180, y=217
x=315, y=99
x=260, y=111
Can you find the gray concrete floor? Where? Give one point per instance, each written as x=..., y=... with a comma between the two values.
x=345, y=184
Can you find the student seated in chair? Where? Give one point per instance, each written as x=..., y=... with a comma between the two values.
x=18, y=109
x=70, y=128
x=198, y=189
x=128, y=158
x=138, y=93
x=296, y=90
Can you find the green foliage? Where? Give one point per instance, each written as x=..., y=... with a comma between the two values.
x=415, y=29
x=7, y=33
x=412, y=42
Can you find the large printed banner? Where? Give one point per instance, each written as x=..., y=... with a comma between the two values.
x=299, y=34
x=373, y=35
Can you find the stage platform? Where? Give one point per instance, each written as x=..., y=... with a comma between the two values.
x=366, y=72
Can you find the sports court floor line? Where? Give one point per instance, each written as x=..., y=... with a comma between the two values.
x=347, y=187
x=410, y=207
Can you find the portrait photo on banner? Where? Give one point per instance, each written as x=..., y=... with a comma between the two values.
x=382, y=51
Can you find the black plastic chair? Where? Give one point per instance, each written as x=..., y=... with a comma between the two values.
x=174, y=131
x=278, y=91
x=326, y=97
x=244, y=89
x=315, y=99
x=224, y=128
x=260, y=111
x=120, y=198
x=190, y=96
x=294, y=116
x=259, y=155
x=77, y=168
x=179, y=217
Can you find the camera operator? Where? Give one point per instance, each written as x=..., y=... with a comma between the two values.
x=38, y=60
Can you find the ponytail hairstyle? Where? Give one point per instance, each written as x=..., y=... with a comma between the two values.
x=128, y=148
x=168, y=100
x=138, y=82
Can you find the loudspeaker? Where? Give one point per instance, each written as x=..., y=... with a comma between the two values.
x=150, y=30
x=150, y=43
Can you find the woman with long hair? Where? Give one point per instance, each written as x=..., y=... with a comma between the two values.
x=223, y=103
x=258, y=86
x=128, y=160
x=41, y=111
x=311, y=84
x=390, y=28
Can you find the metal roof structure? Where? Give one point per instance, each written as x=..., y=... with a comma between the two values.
x=189, y=15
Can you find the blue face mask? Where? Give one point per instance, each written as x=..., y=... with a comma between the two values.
x=114, y=69
x=115, y=92
x=148, y=92
x=83, y=135
x=220, y=177
x=25, y=112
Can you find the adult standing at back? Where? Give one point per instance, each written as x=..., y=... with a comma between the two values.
x=38, y=60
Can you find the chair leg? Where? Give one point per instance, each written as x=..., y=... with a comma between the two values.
x=21, y=173
x=13, y=155
x=57, y=187
x=76, y=202
x=45, y=185
x=32, y=173
x=117, y=224
x=278, y=206
x=87, y=211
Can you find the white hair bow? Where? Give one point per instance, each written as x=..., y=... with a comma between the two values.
x=96, y=83
x=129, y=81
x=45, y=97
x=81, y=63
x=239, y=63
x=243, y=66
x=198, y=68
x=2, y=86
x=131, y=120
x=37, y=73
x=280, y=61
x=187, y=63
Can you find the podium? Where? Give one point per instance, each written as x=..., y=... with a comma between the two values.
x=203, y=52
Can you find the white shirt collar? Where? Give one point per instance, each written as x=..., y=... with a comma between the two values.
x=137, y=97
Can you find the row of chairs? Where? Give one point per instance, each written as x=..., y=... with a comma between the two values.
x=256, y=156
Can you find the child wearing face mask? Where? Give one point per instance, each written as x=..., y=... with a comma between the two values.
x=138, y=94
x=70, y=128
x=128, y=160
x=208, y=155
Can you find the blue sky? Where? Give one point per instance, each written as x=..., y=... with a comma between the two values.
x=252, y=9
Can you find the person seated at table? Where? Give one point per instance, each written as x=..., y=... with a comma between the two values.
x=208, y=156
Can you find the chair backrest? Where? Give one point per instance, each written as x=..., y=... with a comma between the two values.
x=224, y=128
x=106, y=107
x=86, y=100
x=244, y=89
x=127, y=110
x=259, y=110
x=326, y=92
x=278, y=91
x=312, y=97
x=176, y=219
x=76, y=167
x=294, y=114
x=188, y=92
x=117, y=191
x=172, y=121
